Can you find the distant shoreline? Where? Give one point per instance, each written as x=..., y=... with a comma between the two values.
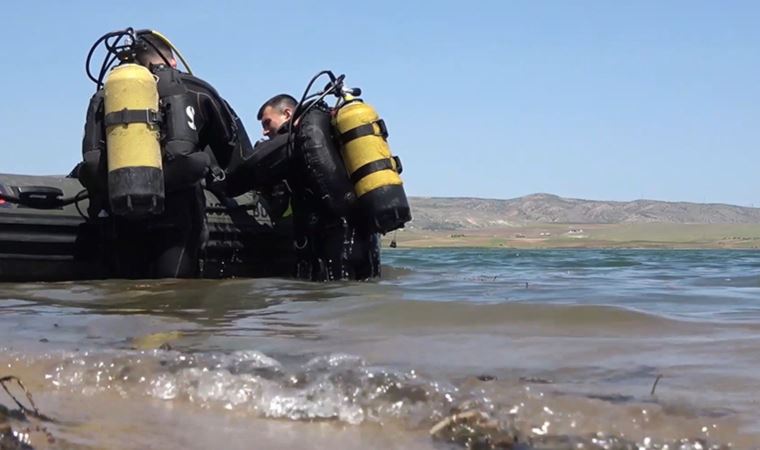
x=586, y=236
x=621, y=247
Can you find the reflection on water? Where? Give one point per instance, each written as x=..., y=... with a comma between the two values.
x=490, y=348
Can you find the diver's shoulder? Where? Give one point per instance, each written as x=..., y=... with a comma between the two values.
x=194, y=83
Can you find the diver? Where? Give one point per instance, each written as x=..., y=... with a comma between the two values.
x=267, y=164
x=153, y=200
x=331, y=243
x=299, y=152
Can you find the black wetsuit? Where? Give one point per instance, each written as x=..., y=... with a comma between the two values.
x=167, y=245
x=328, y=246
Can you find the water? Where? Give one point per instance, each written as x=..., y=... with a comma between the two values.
x=545, y=349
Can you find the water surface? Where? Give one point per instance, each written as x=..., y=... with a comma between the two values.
x=557, y=349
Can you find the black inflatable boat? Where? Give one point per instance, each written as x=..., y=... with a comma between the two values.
x=60, y=244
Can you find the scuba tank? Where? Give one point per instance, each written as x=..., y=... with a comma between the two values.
x=373, y=170
x=140, y=128
x=135, y=176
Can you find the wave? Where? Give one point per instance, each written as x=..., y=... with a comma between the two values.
x=347, y=389
x=475, y=317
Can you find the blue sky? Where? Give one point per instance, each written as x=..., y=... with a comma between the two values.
x=498, y=99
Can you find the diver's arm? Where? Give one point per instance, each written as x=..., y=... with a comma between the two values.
x=223, y=131
x=264, y=165
x=219, y=131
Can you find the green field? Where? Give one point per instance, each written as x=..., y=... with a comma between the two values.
x=649, y=235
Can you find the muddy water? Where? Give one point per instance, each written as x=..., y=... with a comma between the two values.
x=540, y=349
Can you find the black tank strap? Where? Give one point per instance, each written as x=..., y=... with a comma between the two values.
x=365, y=130
x=370, y=168
x=127, y=116
x=399, y=167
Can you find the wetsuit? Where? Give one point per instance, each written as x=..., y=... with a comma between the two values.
x=166, y=245
x=330, y=247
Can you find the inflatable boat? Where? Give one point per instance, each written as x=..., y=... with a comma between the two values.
x=44, y=243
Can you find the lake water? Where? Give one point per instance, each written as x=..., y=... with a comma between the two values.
x=535, y=349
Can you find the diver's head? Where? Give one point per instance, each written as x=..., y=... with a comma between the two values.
x=277, y=111
x=151, y=50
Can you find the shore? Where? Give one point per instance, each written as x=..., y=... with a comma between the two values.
x=538, y=236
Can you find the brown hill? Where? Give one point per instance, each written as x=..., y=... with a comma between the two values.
x=439, y=213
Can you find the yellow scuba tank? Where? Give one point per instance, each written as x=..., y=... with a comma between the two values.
x=371, y=167
x=135, y=176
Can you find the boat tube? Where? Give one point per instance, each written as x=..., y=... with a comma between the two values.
x=54, y=241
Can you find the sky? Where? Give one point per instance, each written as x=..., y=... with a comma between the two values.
x=495, y=99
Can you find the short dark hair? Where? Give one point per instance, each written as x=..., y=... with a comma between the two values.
x=280, y=101
x=150, y=46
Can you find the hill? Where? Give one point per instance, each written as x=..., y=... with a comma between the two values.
x=438, y=213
